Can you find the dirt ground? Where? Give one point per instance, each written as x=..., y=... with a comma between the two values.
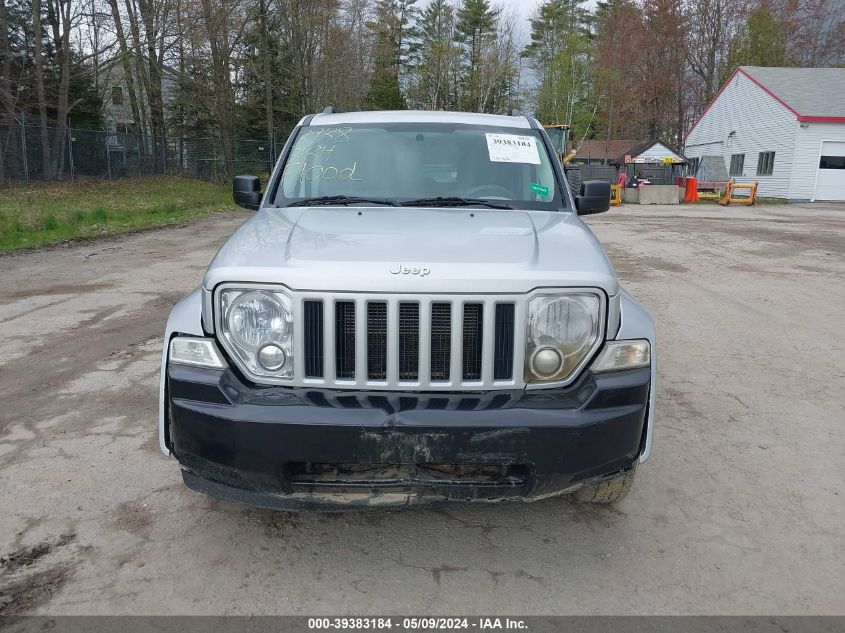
x=739, y=511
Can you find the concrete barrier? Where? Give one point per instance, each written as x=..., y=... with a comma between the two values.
x=654, y=194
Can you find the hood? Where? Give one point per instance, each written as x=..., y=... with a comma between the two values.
x=408, y=249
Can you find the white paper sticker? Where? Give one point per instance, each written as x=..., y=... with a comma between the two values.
x=512, y=148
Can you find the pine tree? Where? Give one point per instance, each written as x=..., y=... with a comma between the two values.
x=475, y=28
x=560, y=54
x=393, y=31
x=434, y=87
x=762, y=43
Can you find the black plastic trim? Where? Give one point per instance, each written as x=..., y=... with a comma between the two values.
x=563, y=437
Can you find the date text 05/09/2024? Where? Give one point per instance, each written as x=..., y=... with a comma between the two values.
x=417, y=623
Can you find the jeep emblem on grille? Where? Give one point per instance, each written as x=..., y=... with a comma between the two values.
x=401, y=269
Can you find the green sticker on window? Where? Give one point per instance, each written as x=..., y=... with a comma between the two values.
x=540, y=190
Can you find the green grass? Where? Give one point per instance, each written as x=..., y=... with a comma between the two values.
x=40, y=215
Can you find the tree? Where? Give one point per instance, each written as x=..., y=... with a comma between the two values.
x=762, y=41
x=619, y=31
x=154, y=16
x=664, y=72
x=475, y=30
x=62, y=17
x=559, y=53
x=224, y=28
x=125, y=57
x=266, y=53
x=712, y=27
x=345, y=60
x=9, y=92
x=815, y=32
x=225, y=69
x=498, y=75
x=391, y=29
x=433, y=86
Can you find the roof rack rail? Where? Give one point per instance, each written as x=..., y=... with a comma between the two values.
x=331, y=110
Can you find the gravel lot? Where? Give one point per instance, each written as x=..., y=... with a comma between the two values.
x=739, y=511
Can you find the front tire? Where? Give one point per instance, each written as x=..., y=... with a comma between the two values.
x=573, y=177
x=607, y=491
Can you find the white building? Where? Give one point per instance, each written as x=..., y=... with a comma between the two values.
x=781, y=127
x=117, y=110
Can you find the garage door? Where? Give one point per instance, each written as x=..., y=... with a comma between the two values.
x=830, y=182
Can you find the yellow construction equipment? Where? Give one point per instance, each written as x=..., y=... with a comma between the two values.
x=709, y=195
x=616, y=197
x=561, y=137
x=729, y=198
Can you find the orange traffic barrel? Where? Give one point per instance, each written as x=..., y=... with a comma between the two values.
x=691, y=191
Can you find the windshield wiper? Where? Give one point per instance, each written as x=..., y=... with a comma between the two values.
x=441, y=201
x=339, y=200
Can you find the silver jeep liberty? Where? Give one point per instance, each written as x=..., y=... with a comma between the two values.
x=414, y=313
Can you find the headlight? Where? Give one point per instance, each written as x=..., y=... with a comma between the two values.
x=257, y=328
x=561, y=331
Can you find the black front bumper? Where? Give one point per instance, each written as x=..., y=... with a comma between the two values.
x=306, y=448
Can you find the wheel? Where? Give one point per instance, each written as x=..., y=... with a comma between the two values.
x=607, y=491
x=573, y=177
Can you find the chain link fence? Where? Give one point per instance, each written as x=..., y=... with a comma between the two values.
x=28, y=155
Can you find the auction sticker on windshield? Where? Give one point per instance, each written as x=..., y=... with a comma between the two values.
x=512, y=148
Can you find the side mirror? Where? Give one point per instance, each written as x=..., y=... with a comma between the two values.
x=594, y=197
x=246, y=190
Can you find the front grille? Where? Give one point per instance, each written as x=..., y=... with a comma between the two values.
x=421, y=342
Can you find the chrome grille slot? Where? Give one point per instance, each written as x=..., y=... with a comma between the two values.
x=377, y=340
x=473, y=339
x=441, y=341
x=409, y=341
x=313, y=344
x=344, y=334
x=503, y=346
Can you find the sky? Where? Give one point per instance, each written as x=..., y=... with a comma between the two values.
x=525, y=9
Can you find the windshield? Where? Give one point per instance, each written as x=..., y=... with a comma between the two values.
x=420, y=164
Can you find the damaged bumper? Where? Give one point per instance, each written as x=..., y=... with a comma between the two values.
x=301, y=448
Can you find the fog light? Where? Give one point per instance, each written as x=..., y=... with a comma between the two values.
x=546, y=362
x=272, y=357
